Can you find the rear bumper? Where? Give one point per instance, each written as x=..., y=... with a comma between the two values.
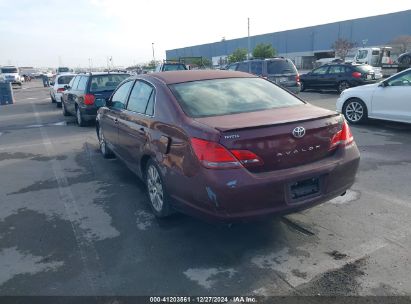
x=238, y=195
x=88, y=113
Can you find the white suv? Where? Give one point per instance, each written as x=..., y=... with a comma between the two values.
x=57, y=87
x=11, y=74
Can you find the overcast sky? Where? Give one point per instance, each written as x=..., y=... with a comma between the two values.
x=47, y=33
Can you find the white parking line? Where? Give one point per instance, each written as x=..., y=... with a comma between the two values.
x=72, y=210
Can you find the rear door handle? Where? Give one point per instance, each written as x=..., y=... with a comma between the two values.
x=142, y=131
x=116, y=120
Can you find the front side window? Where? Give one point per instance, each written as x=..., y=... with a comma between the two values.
x=75, y=82
x=362, y=54
x=139, y=97
x=243, y=67
x=232, y=67
x=119, y=98
x=401, y=80
x=230, y=96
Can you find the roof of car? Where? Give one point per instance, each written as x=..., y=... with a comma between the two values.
x=101, y=73
x=172, y=77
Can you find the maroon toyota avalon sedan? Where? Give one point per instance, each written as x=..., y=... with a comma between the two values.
x=226, y=145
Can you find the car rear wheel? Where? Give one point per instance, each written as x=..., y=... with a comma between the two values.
x=343, y=85
x=65, y=112
x=156, y=191
x=302, y=86
x=355, y=111
x=79, y=118
x=107, y=153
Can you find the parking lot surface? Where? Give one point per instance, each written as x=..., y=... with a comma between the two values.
x=73, y=223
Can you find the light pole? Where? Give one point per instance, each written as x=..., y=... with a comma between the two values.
x=248, y=39
x=154, y=58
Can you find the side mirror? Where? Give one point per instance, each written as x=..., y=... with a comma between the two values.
x=109, y=103
x=383, y=84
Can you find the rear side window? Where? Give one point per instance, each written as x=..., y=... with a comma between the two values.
x=64, y=79
x=139, y=97
x=257, y=68
x=82, y=83
x=337, y=69
x=280, y=67
x=230, y=96
x=107, y=82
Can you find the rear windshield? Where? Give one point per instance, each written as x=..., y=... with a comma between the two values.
x=230, y=96
x=174, y=67
x=280, y=67
x=101, y=83
x=64, y=79
x=63, y=70
x=9, y=70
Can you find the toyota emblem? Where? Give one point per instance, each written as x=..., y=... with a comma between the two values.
x=299, y=132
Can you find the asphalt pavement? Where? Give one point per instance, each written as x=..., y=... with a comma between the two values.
x=73, y=223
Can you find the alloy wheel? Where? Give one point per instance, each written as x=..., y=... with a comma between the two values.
x=354, y=111
x=155, y=188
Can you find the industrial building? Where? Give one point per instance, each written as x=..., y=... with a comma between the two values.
x=305, y=45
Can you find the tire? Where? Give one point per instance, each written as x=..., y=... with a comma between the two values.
x=79, y=118
x=157, y=194
x=105, y=151
x=302, y=89
x=343, y=85
x=63, y=106
x=355, y=111
x=58, y=104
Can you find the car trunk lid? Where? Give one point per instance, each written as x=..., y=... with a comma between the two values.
x=269, y=134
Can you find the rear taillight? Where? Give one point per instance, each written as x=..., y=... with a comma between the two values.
x=212, y=155
x=89, y=99
x=60, y=90
x=297, y=78
x=356, y=74
x=343, y=137
x=247, y=158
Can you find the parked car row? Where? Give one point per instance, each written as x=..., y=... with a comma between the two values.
x=339, y=76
